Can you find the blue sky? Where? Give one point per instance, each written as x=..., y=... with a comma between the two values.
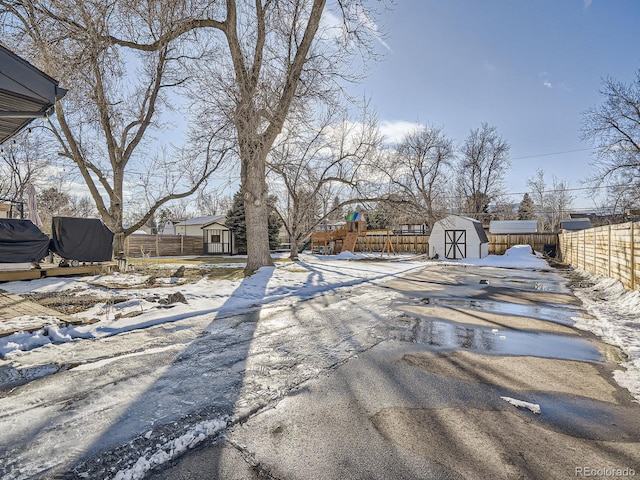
x=529, y=67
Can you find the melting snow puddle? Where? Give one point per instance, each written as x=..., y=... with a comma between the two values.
x=562, y=316
x=446, y=335
x=586, y=418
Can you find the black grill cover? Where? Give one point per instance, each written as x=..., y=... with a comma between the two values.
x=81, y=239
x=21, y=241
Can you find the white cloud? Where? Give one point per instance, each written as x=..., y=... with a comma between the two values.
x=394, y=130
x=586, y=3
x=545, y=79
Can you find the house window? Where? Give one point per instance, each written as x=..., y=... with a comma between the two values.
x=215, y=238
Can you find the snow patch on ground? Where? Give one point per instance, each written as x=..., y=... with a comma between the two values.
x=534, y=407
x=170, y=450
x=616, y=319
x=314, y=274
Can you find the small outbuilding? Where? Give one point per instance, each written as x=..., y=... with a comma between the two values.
x=456, y=237
x=218, y=238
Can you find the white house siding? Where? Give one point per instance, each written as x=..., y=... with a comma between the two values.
x=193, y=226
x=513, y=226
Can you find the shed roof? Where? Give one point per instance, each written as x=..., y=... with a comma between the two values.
x=476, y=224
x=25, y=93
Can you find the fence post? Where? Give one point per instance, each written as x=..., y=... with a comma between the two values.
x=633, y=257
x=584, y=250
x=609, y=240
x=595, y=251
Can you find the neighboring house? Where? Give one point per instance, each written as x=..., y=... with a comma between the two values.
x=168, y=228
x=330, y=226
x=456, y=237
x=513, y=226
x=192, y=227
x=574, y=224
x=415, y=228
x=218, y=238
x=5, y=209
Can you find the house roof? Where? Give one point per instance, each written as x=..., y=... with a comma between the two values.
x=25, y=93
x=202, y=221
x=575, y=224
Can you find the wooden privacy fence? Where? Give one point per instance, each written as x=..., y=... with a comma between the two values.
x=419, y=243
x=609, y=250
x=401, y=243
x=172, y=245
x=541, y=242
x=162, y=245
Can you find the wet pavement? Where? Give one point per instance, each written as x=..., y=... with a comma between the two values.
x=443, y=335
x=426, y=400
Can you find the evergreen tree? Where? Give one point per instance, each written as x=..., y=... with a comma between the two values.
x=526, y=210
x=274, y=223
x=236, y=222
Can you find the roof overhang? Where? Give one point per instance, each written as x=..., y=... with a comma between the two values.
x=26, y=93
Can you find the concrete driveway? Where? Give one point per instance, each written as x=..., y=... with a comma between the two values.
x=426, y=401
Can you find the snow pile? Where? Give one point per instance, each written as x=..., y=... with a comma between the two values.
x=519, y=256
x=534, y=407
x=616, y=319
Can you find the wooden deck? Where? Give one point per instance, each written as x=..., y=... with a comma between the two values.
x=18, y=314
x=48, y=270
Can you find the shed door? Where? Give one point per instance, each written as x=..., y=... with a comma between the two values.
x=455, y=244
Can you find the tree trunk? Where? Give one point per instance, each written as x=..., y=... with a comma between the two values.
x=295, y=243
x=254, y=187
x=118, y=243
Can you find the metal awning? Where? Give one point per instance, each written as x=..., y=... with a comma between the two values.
x=26, y=93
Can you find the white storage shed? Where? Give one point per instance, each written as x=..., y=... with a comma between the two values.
x=456, y=237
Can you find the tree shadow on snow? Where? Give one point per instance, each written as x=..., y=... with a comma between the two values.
x=191, y=395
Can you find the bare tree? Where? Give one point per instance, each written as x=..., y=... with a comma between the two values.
x=614, y=129
x=418, y=171
x=53, y=201
x=552, y=203
x=118, y=60
x=262, y=59
x=481, y=169
x=21, y=164
x=314, y=162
x=213, y=202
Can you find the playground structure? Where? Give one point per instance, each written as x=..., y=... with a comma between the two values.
x=351, y=238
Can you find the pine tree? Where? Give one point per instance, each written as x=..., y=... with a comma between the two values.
x=526, y=210
x=274, y=223
x=236, y=222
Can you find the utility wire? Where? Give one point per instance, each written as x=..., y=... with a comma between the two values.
x=552, y=154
